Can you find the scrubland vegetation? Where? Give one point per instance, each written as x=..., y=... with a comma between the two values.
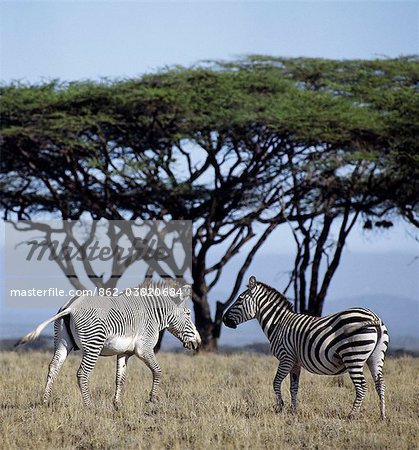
x=206, y=401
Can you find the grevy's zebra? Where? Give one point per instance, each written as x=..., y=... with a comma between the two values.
x=329, y=345
x=124, y=325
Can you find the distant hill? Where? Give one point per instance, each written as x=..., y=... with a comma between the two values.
x=42, y=343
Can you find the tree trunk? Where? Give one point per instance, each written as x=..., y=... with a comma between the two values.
x=205, y=325
x=315, y=308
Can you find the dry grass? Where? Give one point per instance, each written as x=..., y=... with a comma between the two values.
x=206, y=401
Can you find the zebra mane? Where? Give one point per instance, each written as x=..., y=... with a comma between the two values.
x=278, y=295
x=168, y=283
x=159, y=287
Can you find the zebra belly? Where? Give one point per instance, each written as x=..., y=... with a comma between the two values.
x=321, y=357
x=336, y=369
x=116, y=345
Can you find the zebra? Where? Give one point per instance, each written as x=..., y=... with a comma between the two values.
x=124, y=325
x=330, y=345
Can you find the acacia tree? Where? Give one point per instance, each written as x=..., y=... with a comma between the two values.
x=340, y=199
x=235, y=148
x=366, y=170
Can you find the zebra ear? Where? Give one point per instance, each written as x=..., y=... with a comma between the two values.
x=252, y=282
x=185, y=293
x=182, y=294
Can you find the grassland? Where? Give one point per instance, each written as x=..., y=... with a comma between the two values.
x=206, y=401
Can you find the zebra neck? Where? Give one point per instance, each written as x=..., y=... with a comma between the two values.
x=161, y=316
x=272, y=314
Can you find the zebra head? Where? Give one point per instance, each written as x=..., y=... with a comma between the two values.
x=180, y=322
x=244, y=308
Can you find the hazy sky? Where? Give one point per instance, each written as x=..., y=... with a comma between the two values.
x=77, y=40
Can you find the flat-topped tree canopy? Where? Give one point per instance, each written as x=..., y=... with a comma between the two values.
x=238, y=147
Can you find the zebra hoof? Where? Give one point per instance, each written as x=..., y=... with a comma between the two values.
x=152, y=407
x=279, y=408
x=153, y=399
x=117, y=405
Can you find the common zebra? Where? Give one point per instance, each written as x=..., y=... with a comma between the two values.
x=329, y=345
x=124, y=325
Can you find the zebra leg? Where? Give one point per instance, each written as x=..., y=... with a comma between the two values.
x=55, y=365
x=358, y=379
x=380, y=388
x=87, y=364
x=63, y=346
x=151, y=362
x=294, y=380
x=283, y=370
x=375, y=364
x=121, y=371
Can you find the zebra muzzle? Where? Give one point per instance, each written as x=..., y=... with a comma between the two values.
x=192, y=345
x=229, y=323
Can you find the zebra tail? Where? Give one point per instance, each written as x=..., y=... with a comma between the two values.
x=35, y=333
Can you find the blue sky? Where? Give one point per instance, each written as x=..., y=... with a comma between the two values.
x=78, y=40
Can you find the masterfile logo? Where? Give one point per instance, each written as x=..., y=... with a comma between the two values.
x=52, y=256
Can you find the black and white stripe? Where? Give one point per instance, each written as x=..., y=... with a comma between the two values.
x=331, y=345
x=126, y=325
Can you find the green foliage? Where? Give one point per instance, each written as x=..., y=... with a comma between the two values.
x=314, y=99
x=366, y=110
